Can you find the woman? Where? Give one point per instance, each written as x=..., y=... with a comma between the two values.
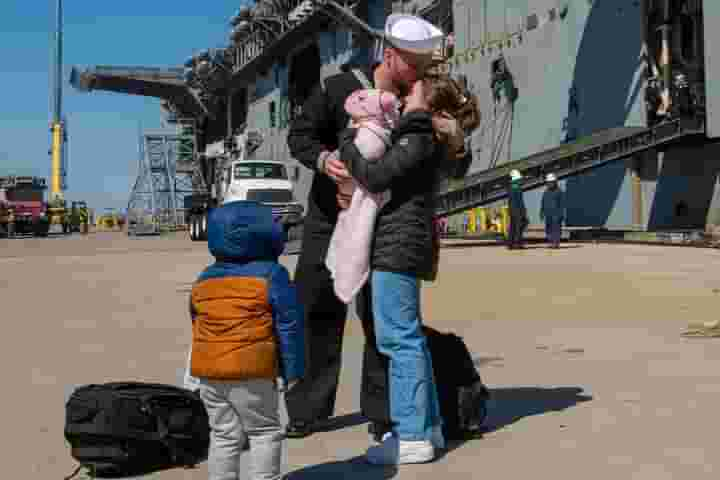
x=403, y=254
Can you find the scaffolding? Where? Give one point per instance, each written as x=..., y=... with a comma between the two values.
x=166, y=168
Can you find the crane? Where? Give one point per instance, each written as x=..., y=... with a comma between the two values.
x=58, y=214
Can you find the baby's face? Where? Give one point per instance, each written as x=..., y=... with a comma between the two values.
x=373, y=104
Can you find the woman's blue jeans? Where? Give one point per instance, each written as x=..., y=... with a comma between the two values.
x=414, y=407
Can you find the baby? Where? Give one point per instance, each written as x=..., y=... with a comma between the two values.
x=374, y=113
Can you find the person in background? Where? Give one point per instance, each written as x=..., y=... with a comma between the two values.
x=518, y=212
x=552, y=210
x=247, y=332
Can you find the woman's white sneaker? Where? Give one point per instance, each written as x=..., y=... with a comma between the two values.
x=398, y=452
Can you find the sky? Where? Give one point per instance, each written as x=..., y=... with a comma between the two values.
x=102, y=126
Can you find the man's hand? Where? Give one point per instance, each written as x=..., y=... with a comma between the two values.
x=343, y=200
x=335, y=169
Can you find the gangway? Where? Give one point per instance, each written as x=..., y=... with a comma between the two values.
x=566, y=160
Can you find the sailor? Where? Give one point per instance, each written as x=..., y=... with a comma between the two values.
x=518, y=212
x=552, y=210
x=401, y=57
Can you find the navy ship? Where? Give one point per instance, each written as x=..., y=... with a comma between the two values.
x=615, y=97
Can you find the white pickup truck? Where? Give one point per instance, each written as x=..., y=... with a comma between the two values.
x=234, y=177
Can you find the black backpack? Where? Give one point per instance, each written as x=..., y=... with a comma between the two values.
x=462, y=395
x=136, y=427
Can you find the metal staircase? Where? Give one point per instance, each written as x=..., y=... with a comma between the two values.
x=166, y=174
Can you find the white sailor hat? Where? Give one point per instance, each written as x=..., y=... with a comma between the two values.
x=410, y=33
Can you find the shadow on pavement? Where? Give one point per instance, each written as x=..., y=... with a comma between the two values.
x=342, y=421
x=353, y=469
x=508, y=405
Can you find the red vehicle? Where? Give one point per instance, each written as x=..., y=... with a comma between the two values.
x=22, y=208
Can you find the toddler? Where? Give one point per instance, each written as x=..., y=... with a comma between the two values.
x=247, y=330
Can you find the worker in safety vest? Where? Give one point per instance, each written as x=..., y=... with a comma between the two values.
x=518, y=212
x=552, y=210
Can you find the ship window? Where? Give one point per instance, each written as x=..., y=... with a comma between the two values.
x=259, y=170
x=531, y=22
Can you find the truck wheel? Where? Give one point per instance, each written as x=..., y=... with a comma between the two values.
x=194, y=228
x=203, y=226
x=41, y=229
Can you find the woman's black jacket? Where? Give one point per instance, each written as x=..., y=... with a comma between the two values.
x=403, y=240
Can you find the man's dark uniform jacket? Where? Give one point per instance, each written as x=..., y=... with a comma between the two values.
x=315, y=130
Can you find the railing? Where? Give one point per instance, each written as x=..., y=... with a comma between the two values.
x=267, y=29
x=250, y=48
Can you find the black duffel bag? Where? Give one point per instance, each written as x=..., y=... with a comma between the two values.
x=136, y=427
x=462, y=395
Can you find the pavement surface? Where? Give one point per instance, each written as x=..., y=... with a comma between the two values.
x=581, y=348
